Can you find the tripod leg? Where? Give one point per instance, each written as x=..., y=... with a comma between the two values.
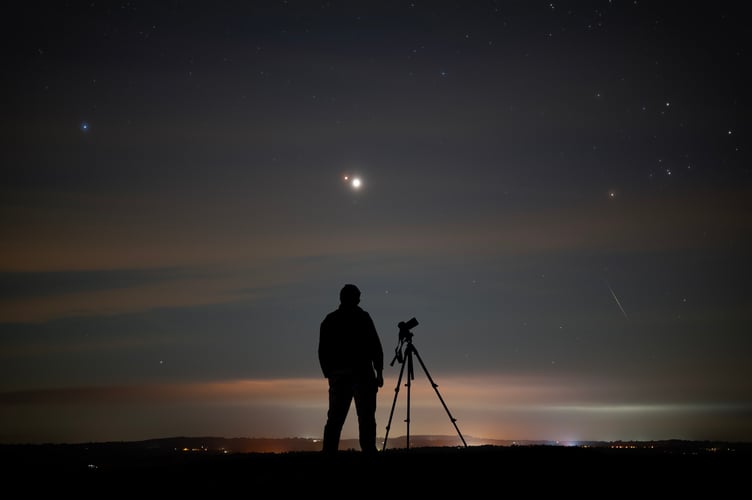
x=394, y=402
x=435, y=388
x=410, y=377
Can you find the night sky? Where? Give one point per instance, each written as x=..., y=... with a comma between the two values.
x=559, y=192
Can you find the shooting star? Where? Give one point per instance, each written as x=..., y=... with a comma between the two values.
x=616, y=299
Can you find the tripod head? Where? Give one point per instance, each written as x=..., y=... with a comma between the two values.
x=405, y=335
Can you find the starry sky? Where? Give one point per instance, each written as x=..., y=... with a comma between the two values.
x=559, y=192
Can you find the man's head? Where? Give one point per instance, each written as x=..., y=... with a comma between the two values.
x=349, y=295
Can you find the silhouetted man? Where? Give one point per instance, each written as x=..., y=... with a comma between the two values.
x=352, y=360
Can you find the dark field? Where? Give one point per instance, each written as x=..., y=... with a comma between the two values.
x=684, y=468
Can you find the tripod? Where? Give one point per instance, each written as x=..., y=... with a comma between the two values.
x=406, y=358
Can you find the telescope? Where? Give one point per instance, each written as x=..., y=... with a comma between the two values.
x=405, y=327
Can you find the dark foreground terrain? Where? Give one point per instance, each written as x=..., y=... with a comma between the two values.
x=683, y=468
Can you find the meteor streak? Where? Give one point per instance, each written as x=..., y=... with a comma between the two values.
x=616, y=299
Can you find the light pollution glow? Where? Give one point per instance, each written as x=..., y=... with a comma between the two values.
x=491, y=407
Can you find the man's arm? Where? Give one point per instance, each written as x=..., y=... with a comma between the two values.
x=377, y=353
x=323, y=350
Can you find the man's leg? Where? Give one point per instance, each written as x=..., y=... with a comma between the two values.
x=340, y=396
x=365, y=405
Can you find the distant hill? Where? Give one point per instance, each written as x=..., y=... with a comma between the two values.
x=209, y=445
